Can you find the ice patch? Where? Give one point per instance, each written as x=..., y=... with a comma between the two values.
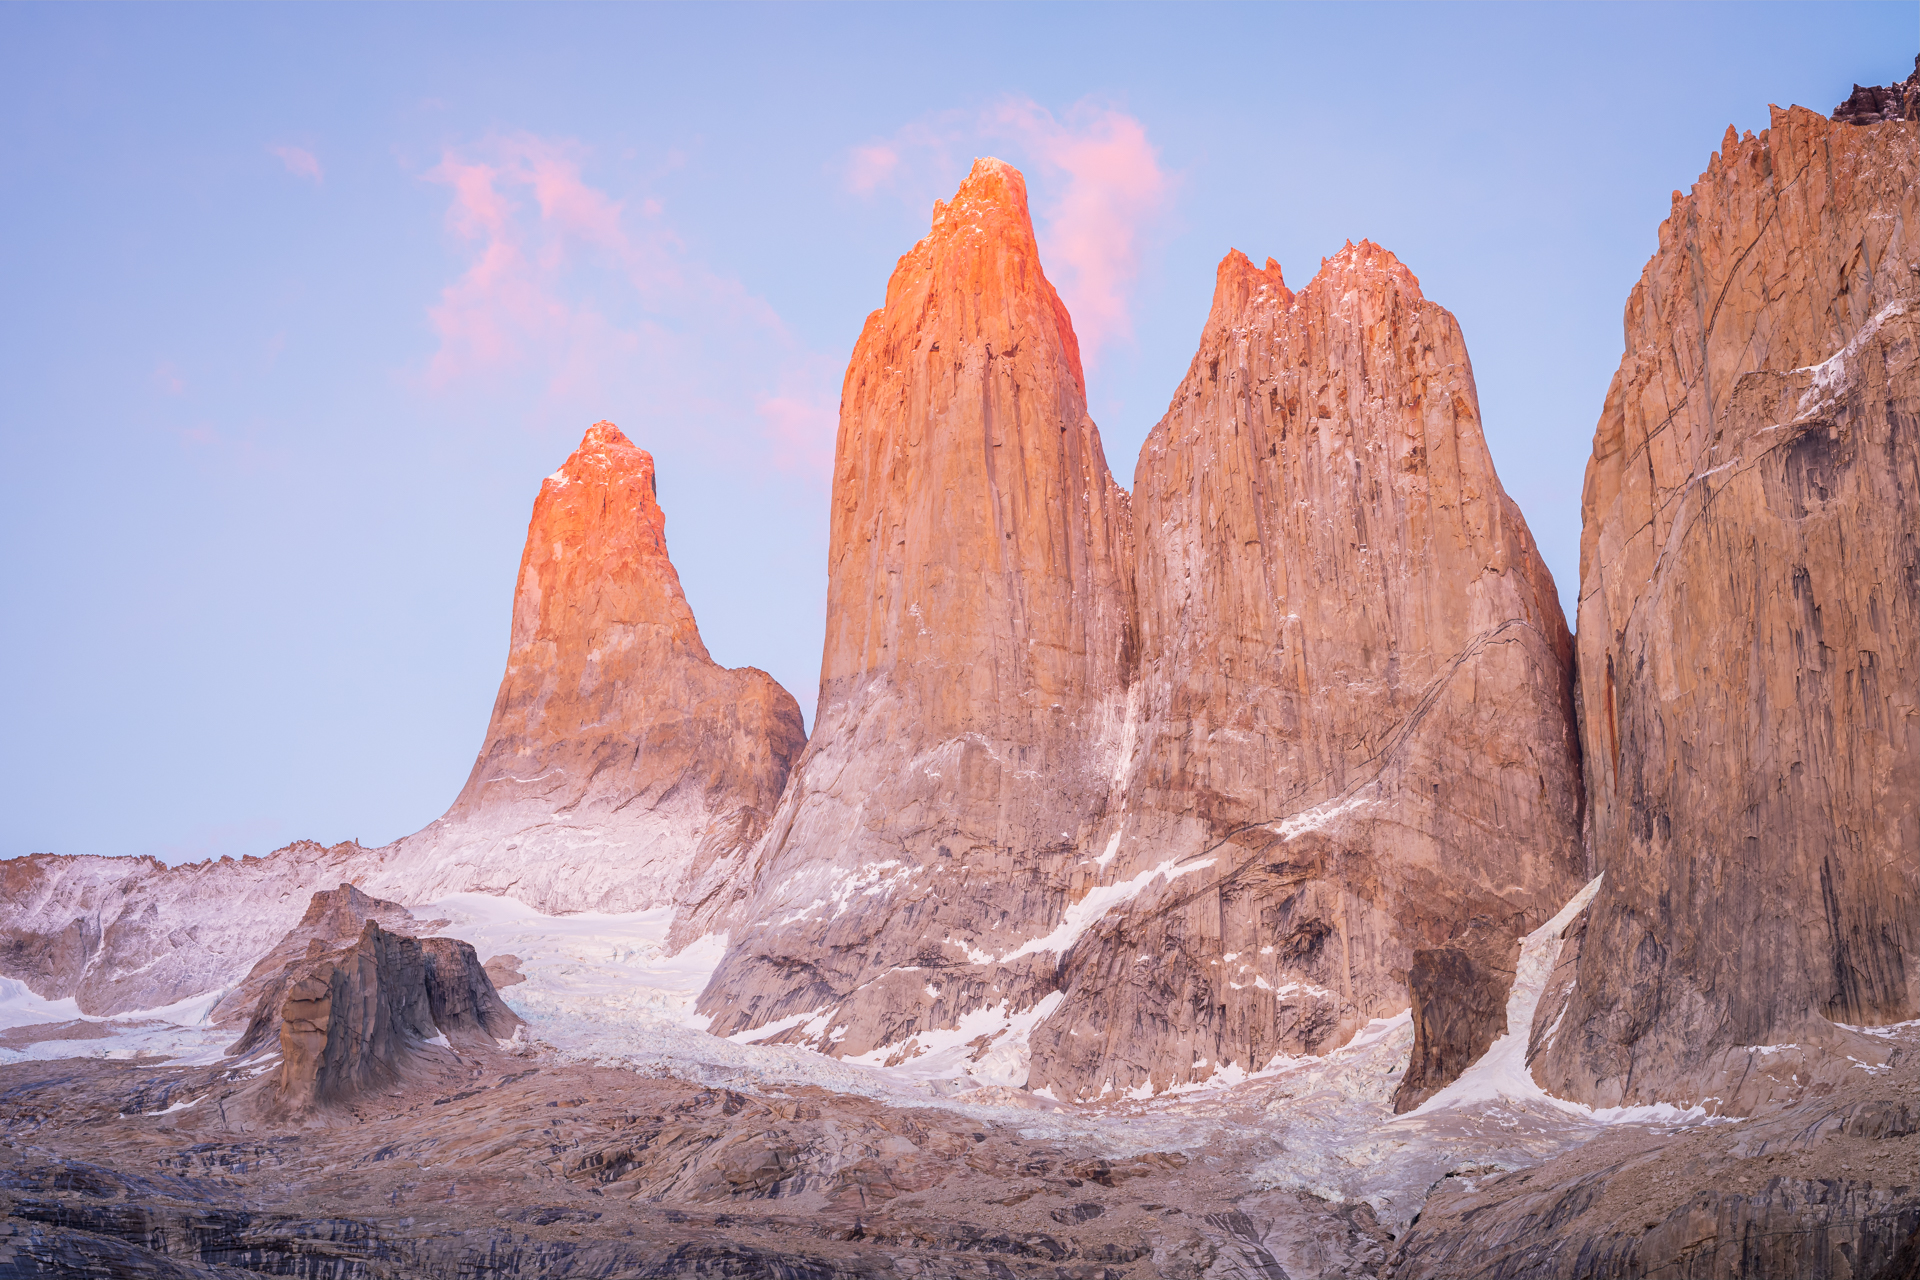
x=989, y=1047
x=1082, y=915
x=1501, y=1075
x=19, y=1007
x=1318, y=816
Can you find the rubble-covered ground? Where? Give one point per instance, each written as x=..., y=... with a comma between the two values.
x=614, y=1137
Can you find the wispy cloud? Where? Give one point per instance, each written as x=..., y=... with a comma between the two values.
x=1096, y=179
x=595, y=299
x=300, y=162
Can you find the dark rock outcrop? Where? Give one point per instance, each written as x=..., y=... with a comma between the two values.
x=1874, y=104
x=1459, y=994
x=461, y=998
x=350, y=1003
x=334, y=918
x=350, y=1020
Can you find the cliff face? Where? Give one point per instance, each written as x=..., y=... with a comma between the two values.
x=1352, y=730
x=975, y=665
x=622, y=763
x=1749, y=629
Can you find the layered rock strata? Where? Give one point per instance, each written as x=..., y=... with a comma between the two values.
x=334, y=917
x=623, y=769
x=975, y=668
x=621, y=763
x=1749, y=628
x=1352, y=731
x=351, y=1020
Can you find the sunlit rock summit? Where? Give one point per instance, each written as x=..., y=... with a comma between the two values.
x=621, y=763
x=1351, y=728
x=1210, y=771
x=972, y=693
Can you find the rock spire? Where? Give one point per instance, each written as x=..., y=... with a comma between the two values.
x=1750, y=630
x=1353, y=735
x=973, y=681
x=621, y=763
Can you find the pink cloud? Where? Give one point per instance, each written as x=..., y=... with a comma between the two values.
x=1113, y=184
x=802, y=426
x=870, y=166
x=1096, y=178
x=566, y=286
x=300, y=162
x=167, y=377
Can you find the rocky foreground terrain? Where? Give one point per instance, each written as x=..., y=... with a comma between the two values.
x=1244, y=875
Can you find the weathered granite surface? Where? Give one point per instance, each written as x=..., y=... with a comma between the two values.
x=1749, y=631
x=973, y=688
x=1351, y=729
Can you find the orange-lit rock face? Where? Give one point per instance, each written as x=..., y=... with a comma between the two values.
x=621, y=763
x=1353, y=722
x=977, y=643
x=1750, y=628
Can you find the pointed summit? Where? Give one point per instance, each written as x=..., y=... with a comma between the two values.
x=978, y=608
x=621, y=761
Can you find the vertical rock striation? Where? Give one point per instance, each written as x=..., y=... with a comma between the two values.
x=1749, y=627
x=622, y=763
x=1352, y=733
x=978, y=620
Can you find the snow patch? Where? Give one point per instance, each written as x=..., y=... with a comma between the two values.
x=1082, y=915
x=989, y=1047
x=1319, y=816
x=1501, y=1075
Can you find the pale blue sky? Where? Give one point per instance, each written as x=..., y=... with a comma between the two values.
x=302, y=302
